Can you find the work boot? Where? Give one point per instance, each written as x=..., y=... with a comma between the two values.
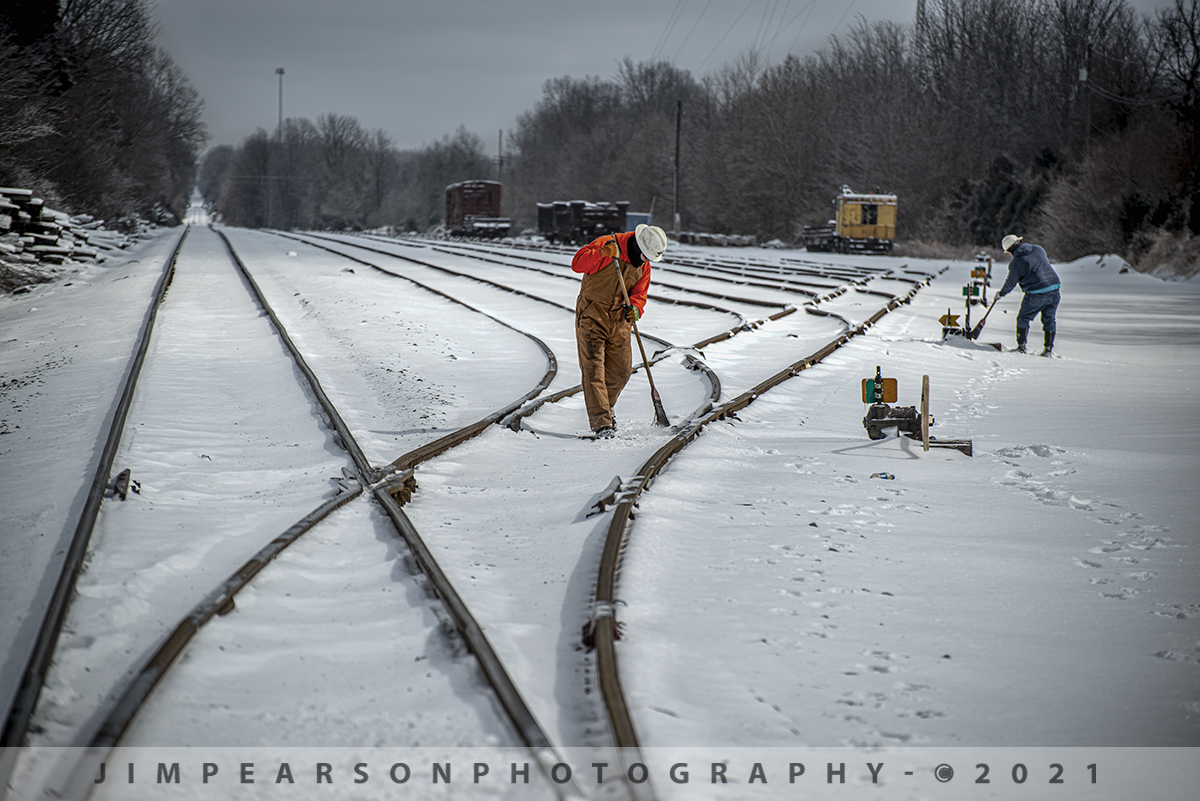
x=1048, y=349
x=1022, y=335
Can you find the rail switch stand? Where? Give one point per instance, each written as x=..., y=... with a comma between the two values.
x=879, y=392
x=910, y=421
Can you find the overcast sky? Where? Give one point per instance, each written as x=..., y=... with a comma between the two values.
x=420, y=68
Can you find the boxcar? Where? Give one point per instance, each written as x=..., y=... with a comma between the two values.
x=473, y=209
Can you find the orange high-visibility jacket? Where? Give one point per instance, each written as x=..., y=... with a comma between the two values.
x=589, y=261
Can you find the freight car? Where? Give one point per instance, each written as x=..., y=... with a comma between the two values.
x=473, y=209
x=864, y=224
x=579, y=222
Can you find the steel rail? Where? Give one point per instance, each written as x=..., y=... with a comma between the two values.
x=447, y=270
x=432, y=449
x=511, y=417
x=111, y=721
x=778, y=273
x=742, y=278
x=510, y=697
x=393, y=487
x=19, y=714
x=365, y=471
x=659, y=282
x=114, y=721
x=661, y=267
x=514, y=421
x=603, y=624
x=116, y=718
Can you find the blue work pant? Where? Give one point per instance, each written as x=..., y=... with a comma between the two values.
x=1045, y=303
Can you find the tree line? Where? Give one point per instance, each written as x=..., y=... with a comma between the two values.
x=335, y=174
x=94, y=117
x=1075, y=121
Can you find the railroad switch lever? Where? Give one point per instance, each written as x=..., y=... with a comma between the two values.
x=908, y=420
x=880, y=392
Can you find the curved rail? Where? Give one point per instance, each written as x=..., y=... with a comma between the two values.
x=472, y=254
x=113, y=721
x=393, y=486
x=18, y=716
x=602, y=626
x=428, y=451
x=512, y=416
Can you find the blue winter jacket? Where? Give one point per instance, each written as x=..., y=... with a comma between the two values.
x=1030, y=268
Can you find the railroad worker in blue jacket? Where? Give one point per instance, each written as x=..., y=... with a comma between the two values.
x=603, y=319
x=1031, y=269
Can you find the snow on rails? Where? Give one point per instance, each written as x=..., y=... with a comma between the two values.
x=693, y=285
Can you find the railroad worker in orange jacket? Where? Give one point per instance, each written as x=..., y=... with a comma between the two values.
x=602, y=318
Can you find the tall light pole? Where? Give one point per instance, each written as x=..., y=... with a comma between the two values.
x=279, y=135
x=279, y=72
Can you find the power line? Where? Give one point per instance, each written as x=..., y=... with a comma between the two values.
x=762, y=23
x=844, y=13
x=727, y=32
x=690, y=32
x=1130, y=101
x=783, y=12
x=670, y=26
x=812, y=5
x=808, y=8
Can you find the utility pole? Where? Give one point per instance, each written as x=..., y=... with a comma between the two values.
x=1085, y=79
x=675, y=201
x=500, y=156
x=1087, y=108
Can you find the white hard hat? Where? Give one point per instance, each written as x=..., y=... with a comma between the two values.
x=1009, y=241
x=652, y=241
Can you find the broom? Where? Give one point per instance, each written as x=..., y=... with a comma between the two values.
x=977, y=330
x=660, y=414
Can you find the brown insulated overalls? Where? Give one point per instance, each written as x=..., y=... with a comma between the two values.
x=601, y=332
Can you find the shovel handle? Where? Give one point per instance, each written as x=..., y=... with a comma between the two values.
x=978, y=329
x=636, y=335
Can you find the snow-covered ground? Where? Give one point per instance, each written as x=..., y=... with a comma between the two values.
x=788, y=583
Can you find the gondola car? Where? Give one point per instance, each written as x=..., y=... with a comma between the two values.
x=473, y=209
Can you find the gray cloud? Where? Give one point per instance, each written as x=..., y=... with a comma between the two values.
x=418, y=70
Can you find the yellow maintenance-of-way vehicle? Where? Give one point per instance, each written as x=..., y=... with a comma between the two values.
x=864, y=224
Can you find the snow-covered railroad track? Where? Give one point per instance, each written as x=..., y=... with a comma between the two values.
x=205, y=320
x=37, y=663
x=150, y=562
x=485, y=561
x=603, y=628
x=555, y=327
x=718, y=290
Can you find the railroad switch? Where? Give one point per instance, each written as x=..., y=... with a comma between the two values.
x=910, y=421
x=981, y=278
x=880, y=392
x=974, y=293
